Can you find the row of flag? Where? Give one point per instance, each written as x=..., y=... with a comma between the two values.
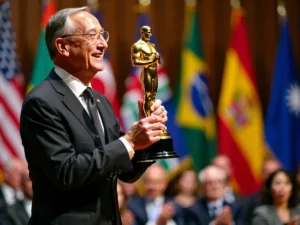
x=242, y=133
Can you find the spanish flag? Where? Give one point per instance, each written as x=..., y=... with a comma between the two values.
x=42, y=63
x=240, y=124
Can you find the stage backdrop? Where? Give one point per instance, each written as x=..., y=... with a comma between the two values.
x=119, y=19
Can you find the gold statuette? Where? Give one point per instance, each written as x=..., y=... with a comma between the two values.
x=144, y=55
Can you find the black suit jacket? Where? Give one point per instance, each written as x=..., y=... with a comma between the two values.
x=17, y=214
x=205, y=218
x=73, y=175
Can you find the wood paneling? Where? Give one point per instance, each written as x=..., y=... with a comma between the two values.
x=167, y=16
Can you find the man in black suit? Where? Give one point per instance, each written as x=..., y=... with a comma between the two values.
x=154, y=208
x=73, y=143
x=214, y=209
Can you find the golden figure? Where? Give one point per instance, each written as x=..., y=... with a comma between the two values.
x=144, y=54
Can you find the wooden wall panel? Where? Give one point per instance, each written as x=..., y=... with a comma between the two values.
x=167, y=16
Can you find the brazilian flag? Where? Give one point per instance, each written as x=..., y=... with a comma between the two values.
x=195, y=113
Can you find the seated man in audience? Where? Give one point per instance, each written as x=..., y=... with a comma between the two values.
x=20, y=212
x=214, y=209
x=223, y=162
x=154, y=208
x=10, y=190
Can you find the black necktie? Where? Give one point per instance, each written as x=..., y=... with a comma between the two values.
x=92, y=107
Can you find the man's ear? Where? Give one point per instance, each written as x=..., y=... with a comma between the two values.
x=62, y=46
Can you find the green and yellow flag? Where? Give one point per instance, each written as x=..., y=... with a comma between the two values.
x=42, y=64
x=195, y=112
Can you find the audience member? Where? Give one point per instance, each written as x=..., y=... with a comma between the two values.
x=20, y=212
x=10, y=190
x=127, y=216
x=214, y=209
x=223, y=162
x=154, y=208
x=279, y=201
x=269, y=166
x=187, y=209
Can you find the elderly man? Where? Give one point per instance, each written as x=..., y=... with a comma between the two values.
x=214, y=209
x=72, y=139
x=155, y=208
x=223, y=162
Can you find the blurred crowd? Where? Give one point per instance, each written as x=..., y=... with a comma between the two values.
x=206, y=198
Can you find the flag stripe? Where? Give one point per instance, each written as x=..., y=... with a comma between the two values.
x=11, y=91
x=245, y=178
x=5, y=153
x=11, y=96
x=11, y=133
x=9, y=148
x=239, y=43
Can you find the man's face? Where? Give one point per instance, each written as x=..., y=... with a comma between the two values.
x=214, y=186
x=147, y=34
x=86, y=52
x=155, y=182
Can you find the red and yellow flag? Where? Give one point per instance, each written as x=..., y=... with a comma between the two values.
x=239, y=111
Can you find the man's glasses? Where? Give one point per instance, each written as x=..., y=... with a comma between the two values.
x=92, y=38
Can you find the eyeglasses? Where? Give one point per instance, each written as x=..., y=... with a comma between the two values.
x=92, y=38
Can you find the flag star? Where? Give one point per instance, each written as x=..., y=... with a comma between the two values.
x=293, y=98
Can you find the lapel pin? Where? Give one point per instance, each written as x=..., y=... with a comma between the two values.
x=98, y=100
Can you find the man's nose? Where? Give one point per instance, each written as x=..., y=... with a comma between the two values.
x=102, y=43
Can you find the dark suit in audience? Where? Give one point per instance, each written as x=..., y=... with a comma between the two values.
x=187, y=215
x=206, y=215
x=138, y=207
x=17, y=214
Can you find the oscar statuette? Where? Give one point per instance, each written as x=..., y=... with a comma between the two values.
x=144, y=55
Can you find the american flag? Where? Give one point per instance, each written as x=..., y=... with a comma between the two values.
x=11, y=94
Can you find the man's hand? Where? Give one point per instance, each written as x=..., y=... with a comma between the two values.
x=294, y=220
x=145, y=132
x=167, y=213
x=225, y=217
x=127, y=217
x=157, y=109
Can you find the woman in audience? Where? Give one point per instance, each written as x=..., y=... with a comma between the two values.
x=279, y=201
x=127, y=216
x=185, y=198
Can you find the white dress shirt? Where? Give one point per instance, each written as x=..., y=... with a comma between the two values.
x=77, y=87
x=153, y=209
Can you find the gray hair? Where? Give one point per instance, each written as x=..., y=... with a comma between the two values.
x=58, y=25
x=214, y=169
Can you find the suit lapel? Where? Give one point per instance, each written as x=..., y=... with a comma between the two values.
x=72, y=103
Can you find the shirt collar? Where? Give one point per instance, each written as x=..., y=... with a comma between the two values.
x=76, y=86
x=157, y=201
x=218, y=203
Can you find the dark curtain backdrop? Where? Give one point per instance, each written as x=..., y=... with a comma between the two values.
x=167, y=18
